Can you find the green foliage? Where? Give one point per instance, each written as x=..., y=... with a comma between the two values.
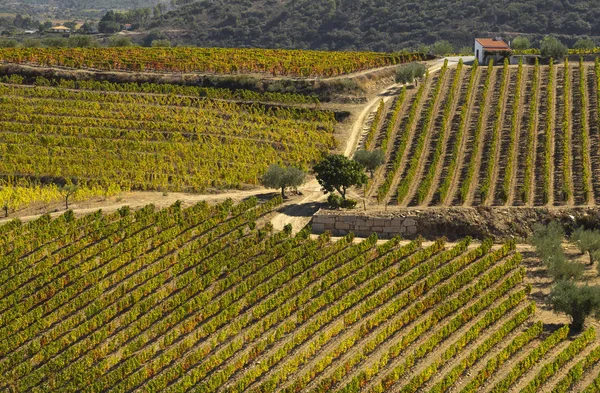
x=521, y=43
x=161, y=44
x=588, y=242
x=336, y=172
x=576, y=301
x=82, y=41
x=280, y=177
x=584, y=43
x=8, y=43
x=119, y=41
x=410, y=73
x=552, y=48
x=442, y=48
x=371, y=160
x=548, y=243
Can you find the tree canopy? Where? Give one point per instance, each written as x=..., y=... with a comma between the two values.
x=409, y=73
x=337, y=172
x=552, y=48
x=371, y=160
x=280, y=177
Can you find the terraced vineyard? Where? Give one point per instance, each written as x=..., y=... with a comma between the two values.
x=496, y=135
x=276, y=62
x=152, y=136
x=209, y=299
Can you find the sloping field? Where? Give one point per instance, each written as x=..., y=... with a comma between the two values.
x=497, y=136
x=150, y=138
x=208, y=299
x=275, y=62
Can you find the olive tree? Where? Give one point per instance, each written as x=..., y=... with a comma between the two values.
x=410, y=73
x=337, y=172
x=279, y=177
x=576, y=301
x=548, y=244
x=371, y=160
x=588, y=242
x=552, y=48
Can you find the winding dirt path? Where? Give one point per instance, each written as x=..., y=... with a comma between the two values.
x=297, y=211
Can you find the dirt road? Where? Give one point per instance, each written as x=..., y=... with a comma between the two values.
x=298, y=211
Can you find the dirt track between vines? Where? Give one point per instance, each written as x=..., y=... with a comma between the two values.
x=297, y=210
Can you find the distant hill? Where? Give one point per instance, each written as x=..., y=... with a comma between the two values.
x=372, y=24
x=78, y=4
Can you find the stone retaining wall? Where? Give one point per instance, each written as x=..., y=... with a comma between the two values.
x=362, y=226
x=499, y=223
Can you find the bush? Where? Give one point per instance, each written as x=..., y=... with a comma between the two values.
x=334, y=201
x=348, y=204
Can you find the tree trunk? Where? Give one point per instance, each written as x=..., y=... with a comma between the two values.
x=282, y=192
x=5, y=211
x=67, y=202
x=344, y=193
x=591, y=257
x=578, y=319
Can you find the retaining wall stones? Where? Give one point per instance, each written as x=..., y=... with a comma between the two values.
x=499, y=223
x=363, y=226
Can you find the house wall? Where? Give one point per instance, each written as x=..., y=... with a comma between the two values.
x=478, y=55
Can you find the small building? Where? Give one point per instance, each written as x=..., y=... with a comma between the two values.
x=60, y=29
x=127, y=26
x=491, y=48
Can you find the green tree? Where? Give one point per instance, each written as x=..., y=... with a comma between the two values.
x=282, y=177
x=548, y=244
x=521, y=43
x=55, y=42
x=337, y=172
x=119, y=41
x=68, y=191
x=584, y=43
x=410, y=73
x=552, y=48
x=4, y=43
x=82, y=41
x=442, y=48
x=575, y=301
x=371, y=160
x=466, y=51
x=588, y=242
x=161, y=44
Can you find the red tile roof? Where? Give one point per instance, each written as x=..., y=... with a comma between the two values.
x=492, y=45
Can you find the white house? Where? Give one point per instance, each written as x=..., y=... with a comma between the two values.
x=491, y=48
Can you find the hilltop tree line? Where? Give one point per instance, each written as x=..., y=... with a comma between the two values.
x=382, y=25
